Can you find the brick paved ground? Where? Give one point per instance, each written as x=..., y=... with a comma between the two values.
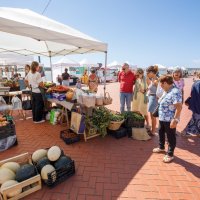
x=117, y=169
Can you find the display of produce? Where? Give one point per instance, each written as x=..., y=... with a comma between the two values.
x=100, y=120
x=116, y=121
x=3, y=121
x=69, y=95
x=133, y=119
x=47, y=169
x=133, y=115
x=6, y=175
x=54, y=153
x=10, y=183
x=56, y=167
x=22, y=183
x=11, y=83
x=14, y=166
x=69, y=137
x=58, y=88
x=42, y=162
x=116, y=117
x=63, y=162
x=25, y=172
x=37, y=155
x=49, y=84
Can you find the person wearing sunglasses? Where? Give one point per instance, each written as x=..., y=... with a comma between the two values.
x=127, y=79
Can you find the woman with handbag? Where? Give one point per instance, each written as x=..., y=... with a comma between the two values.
x=193, y=103
x=152, y=81
x=34, y=80
x=170, y=106
x=139, y=103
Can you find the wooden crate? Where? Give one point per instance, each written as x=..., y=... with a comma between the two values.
x=34, y=182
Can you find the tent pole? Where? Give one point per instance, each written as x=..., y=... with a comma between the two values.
x=105, y=69
x=51, y=66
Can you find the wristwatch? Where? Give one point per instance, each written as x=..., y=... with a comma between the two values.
x=177, y=120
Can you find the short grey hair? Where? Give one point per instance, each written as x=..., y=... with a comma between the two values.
x=126, y=64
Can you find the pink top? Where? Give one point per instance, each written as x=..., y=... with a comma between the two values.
x=180, y=84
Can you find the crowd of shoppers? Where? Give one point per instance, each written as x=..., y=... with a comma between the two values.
x=151, y=93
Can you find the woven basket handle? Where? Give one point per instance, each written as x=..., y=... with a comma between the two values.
x=107, y=95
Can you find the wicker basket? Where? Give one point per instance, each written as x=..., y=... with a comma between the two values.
x=114, y=125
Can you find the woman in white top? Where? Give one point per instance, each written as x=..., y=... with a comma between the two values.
x=34, y=80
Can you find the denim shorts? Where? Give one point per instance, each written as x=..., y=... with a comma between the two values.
x=152, y=103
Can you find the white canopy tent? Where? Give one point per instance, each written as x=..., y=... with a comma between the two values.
x=114, y=64
x=58, y=67
x=66, y=62
x=161, y=66
x=176, y=67
x=25, y=32
x=86, y=63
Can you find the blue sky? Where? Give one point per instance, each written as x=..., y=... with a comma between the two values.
x=142, y=32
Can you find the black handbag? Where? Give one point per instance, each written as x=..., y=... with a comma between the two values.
x=187, y=101
x=155, y=112
x=27, y=104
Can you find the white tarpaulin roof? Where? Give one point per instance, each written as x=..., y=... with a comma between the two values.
x=15, y=59
x=177, y=67
x=66, y=62
x=87, y=63
x=161, y=66
x=25, y=32
x=114, y=64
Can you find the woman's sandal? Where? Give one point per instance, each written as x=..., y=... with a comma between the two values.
x=168, y=159
x=158, y=150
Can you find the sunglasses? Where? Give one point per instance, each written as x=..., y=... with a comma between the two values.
x=123, y=69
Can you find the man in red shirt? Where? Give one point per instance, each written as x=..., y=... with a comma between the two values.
x=127, y=79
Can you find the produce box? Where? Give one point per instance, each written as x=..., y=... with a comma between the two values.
x=60, y=97
x=120, y=133
x=60, y=175
x=28, y=186
x=55, y=167
x=69, y=137
x=133, y=119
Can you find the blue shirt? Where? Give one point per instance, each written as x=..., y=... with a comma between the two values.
x=166, y=108
x=194, y=103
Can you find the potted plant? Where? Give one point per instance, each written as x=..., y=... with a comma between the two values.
x=100, y=120
x=116, y=121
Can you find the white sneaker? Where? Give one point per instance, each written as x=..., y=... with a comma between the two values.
x=39, y=121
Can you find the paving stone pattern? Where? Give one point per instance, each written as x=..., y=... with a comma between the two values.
x=123, y=169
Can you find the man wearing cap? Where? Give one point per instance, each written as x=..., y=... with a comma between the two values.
x=127, y=79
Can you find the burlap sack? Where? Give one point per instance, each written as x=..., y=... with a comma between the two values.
x=140, y=134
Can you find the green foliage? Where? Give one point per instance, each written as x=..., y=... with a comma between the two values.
x=133, y=115
x=116, y=117
x=101, y=118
